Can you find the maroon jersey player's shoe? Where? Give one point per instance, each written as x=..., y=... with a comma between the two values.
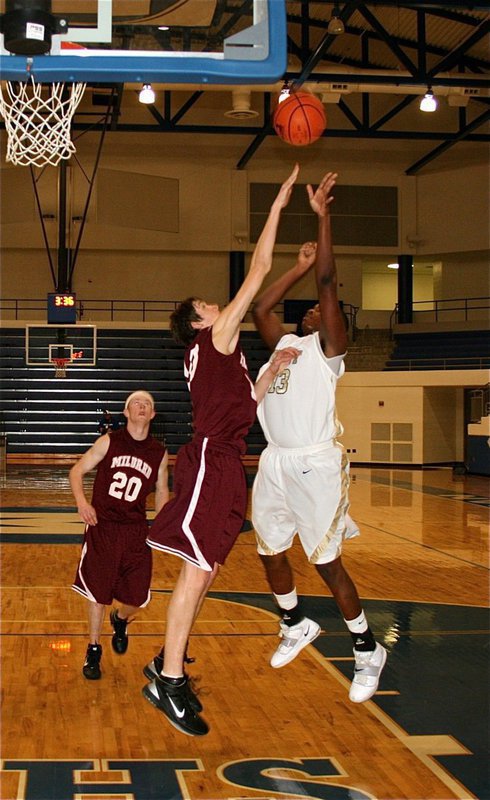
x=173, y=700
x=120, y=638
x=153, y=669
x=91, y=667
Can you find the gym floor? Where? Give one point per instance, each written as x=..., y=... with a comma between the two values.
x=421, y=567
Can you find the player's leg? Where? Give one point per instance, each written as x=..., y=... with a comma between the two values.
x=170, y=692
x=279, y=573
x=187, y=597
x=154, y=668
x=324, y=523
x=95, y=579
x=132, y=587
x=96, y=613
x=91, y=667
x=370, y=656
x=215, y=528
x=275, y=527
x=342, y=587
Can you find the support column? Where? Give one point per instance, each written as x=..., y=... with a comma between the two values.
x=236, y=272
x=405, y=288
x=63, y=255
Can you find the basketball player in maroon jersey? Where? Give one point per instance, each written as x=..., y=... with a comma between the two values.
x=201, y=523
x=116, y=561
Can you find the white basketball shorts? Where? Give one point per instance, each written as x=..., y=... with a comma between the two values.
x=303, y=491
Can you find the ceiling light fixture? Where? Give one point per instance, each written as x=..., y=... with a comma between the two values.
x=393, y=266
x=146, y=95
x=242, y=105
x=428, y=102
x=336, y=26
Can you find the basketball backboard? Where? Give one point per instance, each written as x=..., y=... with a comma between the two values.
x=45, y=343
x=105, y=30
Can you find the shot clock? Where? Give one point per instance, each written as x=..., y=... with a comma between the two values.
x=62, y=307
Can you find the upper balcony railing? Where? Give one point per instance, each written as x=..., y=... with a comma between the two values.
x=456, y=309
x=130, y=311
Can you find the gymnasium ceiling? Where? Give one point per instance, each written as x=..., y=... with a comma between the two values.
x=371, y=77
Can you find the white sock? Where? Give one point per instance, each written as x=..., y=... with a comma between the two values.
x=357, y=625
x=287, y=601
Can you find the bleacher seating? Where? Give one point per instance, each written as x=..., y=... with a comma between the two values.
x=439, y=351
x=40, y=413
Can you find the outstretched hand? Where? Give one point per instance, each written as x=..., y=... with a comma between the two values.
x=306, y=256
x=287, y=187
x=320, y=199
x=282, y=358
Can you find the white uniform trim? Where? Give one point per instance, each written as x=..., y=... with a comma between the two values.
x=87, y=593
x=186, y=525
x=198, y=559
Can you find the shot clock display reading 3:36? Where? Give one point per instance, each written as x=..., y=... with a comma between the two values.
x=62, y=307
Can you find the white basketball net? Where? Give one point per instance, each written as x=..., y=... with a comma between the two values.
x=38, y=128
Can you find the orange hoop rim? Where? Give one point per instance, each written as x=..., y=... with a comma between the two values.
x=72, y=46
x=60, y=365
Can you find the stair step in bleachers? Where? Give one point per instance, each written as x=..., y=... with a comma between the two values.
x=42, y=414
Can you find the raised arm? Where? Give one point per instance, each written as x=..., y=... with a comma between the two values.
x=227, y=327
x=333, y=333
x=266, y=320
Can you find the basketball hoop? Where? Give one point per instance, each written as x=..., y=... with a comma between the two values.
x=60, y=366
x=38, y=128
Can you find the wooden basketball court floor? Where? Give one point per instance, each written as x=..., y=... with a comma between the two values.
x=421, y=567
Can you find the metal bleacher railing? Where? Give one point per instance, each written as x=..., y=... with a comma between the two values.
x=92, y=310
x=451, y=346
x=123, y=310
x=455, y=309
x=466, y=362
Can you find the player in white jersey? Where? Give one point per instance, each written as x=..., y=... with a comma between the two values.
x=303, y=476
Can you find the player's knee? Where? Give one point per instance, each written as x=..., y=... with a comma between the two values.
x=197, y=579
x=330, y=572
x=275, y=563
x=211, y=576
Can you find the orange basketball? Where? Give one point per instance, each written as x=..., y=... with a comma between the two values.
x=300, y=119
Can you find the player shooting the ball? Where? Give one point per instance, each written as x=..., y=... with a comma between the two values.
x=303, y=476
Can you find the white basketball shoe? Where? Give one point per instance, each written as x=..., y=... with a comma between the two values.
x=294, y=638
x=367, y=671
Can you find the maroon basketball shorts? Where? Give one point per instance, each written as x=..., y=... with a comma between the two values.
x=115, y=564
x=201, y=523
